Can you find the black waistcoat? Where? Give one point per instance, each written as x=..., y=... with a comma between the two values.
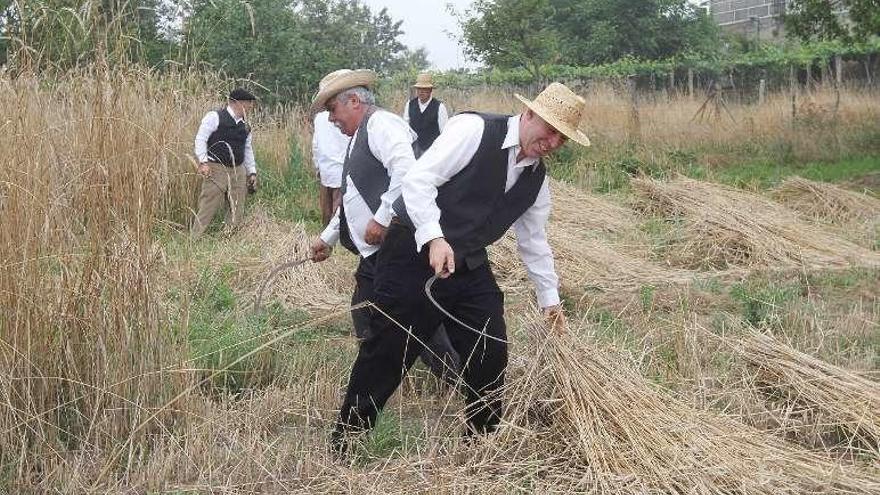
x=475, y=211
x=226, y=144
x=367, y=173
x=424, y=123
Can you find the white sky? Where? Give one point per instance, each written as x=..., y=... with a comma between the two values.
x=427, y=23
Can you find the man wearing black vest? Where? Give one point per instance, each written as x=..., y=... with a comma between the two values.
x=224, y=148
x=378, y=155
x=425, y=114
x=483, y=175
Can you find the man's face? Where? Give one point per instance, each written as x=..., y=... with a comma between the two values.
x=424, y=94
x=346, y=114
x=536, y=137
x=242, y=108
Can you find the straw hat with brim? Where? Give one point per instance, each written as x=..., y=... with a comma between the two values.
x=338, y=81
x=424, y=81
x=560, y=108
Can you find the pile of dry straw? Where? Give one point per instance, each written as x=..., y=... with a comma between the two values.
x=831, y=403
x=827, y=201
x=595, y=247
x=724, y=226
x=319, y=288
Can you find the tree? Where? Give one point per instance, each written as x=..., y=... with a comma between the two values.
x=845, y=20
x=511, y=33
x=529, y=33
x=288, y=45
x=62, y=34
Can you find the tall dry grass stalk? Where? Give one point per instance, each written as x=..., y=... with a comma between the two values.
x=95, y=164
x=822, y=125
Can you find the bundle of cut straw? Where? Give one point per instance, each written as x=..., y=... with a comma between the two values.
x=827, y=201
x=316, y=287
x=844, y=402
x=726, y=226
x=581, y=402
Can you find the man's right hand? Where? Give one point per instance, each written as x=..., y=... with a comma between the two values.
x=320, y=250
x=204, y=170
x=441, y=257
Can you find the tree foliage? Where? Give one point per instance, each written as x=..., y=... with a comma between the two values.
x=845, y=20
x=530, y=33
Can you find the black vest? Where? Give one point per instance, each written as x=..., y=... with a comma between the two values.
x=424, y=123
x=368, y=175
x=475, y=211
x=226, y=144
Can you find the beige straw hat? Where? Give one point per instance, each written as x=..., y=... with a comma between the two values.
x=560, y=108
x=338, y=81
x=424, y=81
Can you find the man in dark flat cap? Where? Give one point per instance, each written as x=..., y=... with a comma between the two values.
x=224, y=148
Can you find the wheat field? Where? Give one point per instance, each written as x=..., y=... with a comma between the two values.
x=722, y=338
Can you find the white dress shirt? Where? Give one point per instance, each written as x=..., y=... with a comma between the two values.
x=328, y=150
x=390, y=140
x=442, y=113
x=210, y=122
x=449, y=154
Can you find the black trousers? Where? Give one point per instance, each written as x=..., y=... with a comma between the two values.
x=386, y=355
x=363, y=291
x=441, y=358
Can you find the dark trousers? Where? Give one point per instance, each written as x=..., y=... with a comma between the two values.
x=386, y=355
x=440, y=356
x=363, y=291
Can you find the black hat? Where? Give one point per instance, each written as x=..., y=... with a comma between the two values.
x=241, y=94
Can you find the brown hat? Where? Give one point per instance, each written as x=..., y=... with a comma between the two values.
x=424, y=81
x=560, y=108
x=338, y=81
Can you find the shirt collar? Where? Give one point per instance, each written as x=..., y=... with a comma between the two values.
x=232, y=114
x=511, y=141
x=425, y=103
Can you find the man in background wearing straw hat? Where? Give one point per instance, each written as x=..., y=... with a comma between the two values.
x=378, y=156
x=425, y=114
x=224, y=148
x=483, y=175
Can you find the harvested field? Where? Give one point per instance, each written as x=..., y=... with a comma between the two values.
x=827, y=201
x=726, y=227
x=828, y=400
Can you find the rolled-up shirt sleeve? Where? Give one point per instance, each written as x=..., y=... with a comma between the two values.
x=209, y=124
x=449, y=154
x=531, y=241
x=250, y=163
x=330, y=235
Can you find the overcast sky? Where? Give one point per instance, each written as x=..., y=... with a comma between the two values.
x=425, y=23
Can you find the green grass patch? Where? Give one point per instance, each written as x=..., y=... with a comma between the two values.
x=292, y=195
x=763, y=175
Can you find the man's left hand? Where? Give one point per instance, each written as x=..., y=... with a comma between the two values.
x=375, y=233
x=554, y=316
x=252, y=183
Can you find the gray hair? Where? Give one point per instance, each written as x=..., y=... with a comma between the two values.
x=363, y=94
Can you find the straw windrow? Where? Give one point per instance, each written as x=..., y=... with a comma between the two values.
x=726, y=226
x=841, y=403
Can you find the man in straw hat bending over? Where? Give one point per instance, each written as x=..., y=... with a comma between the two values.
x=378, y=156
x=483, y=175
x=425, y=114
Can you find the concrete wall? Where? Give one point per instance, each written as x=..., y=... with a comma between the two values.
x=751, y=18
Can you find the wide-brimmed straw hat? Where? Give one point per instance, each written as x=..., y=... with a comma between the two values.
x=560, y=108
x=424, y=81
x=338, y=81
